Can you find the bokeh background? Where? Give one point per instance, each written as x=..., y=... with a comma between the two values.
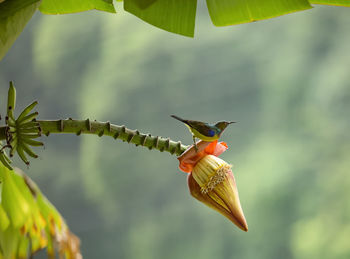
x=285, y=80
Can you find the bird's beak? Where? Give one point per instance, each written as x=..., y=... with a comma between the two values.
x=230, y=122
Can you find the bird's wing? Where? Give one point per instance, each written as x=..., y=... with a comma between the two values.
x=201, y=127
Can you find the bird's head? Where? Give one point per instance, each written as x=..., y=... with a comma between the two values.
x=223, y=124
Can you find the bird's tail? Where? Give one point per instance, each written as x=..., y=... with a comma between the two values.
x=178, y=118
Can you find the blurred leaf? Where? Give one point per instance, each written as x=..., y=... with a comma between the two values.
x=29, y=220
x=4, y=220
x=22, y=250
x=14, y=15
x=176, y=16
x=13, y=201
x=75, y=6
x=228, y=12
x=9, y=242
x=331, y=2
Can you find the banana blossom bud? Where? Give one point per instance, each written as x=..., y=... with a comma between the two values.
x=211, y=180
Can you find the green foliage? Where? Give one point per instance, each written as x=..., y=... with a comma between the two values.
x=179, y=16
x=75, y=6
x=14, y=15
x=331, y=2
x=176, y=16
x=228, y=12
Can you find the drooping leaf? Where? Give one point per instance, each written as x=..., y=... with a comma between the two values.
x=331, y=2
x=22, y=249
x=176, y=16
x=9, y=242
x=75, y=6
x=29, y=222
x=14, y=15
x=13, y=202
x=4, y=220
x=229, y=12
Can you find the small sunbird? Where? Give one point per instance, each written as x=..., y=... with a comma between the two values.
x=204, y=131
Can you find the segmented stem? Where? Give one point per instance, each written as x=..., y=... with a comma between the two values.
x=117, y=132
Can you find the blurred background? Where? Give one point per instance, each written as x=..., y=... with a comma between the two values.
x=285, y=80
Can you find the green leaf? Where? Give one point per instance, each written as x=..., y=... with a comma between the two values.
x=229, y=12
x=4, y=220
x=22, y=249
x=176, y=16
x=331, y=2
x=14, y=15
x=27, y=217
x=75, y=6
x=13, y=201
x=9, y=241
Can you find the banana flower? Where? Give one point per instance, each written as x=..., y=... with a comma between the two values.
x=211, y=180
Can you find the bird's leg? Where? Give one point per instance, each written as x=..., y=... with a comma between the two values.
x=195, y=144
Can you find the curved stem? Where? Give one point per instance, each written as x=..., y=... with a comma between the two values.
x=106, y=128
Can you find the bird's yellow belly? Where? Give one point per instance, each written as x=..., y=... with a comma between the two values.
x=203, y=137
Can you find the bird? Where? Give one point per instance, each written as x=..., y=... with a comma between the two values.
x=204, y=131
